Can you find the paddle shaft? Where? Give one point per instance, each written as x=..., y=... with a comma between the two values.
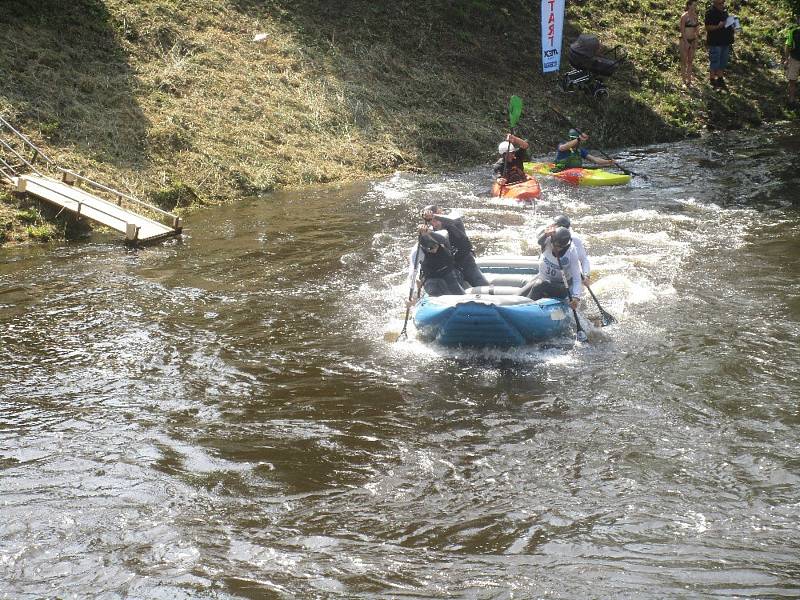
x=608, y=318
x=410, y=294
x=580, y=333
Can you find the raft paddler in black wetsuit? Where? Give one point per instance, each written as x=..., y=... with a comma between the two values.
x=437, y=267
x=463, y=252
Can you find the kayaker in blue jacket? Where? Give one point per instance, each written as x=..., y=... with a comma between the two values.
x=463, y=253
x=571, y=155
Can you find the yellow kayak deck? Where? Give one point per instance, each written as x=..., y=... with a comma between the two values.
x=578, y=175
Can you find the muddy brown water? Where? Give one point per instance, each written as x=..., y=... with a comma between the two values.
x=223, y=417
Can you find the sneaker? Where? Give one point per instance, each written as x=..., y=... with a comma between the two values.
x=721, y=84
x=714, y=83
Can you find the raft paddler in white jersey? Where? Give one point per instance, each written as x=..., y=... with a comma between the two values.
x=577, y=242
x=557, y=262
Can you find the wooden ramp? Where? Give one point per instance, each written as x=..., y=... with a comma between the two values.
x=137, y=229
x=78, y=194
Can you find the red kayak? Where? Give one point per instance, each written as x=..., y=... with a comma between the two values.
x=523, y=191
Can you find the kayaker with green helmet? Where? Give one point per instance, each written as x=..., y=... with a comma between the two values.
x=570, y=154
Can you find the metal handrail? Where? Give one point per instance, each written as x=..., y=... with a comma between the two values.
x=25, y=139
x=7, y=169
x=117, y=193
x=11, y=149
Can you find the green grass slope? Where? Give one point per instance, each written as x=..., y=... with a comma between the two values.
x=175, y=101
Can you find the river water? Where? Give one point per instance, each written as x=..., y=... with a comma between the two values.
x=224, y=417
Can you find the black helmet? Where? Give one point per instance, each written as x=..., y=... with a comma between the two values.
x=562, y=221
x=562, y=237
x=427, y=242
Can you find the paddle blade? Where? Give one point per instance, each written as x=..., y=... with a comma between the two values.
x=514, y=110
x=607, y=318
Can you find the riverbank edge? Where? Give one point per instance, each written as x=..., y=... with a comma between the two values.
x=340, y=119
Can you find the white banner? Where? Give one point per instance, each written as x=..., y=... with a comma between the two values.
x=552, y=28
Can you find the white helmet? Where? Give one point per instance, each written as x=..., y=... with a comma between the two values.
x=506, y=147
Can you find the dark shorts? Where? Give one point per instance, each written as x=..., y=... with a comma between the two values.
x=441, y=286
x=540, y=288
x=718, y=57
x=470, y=272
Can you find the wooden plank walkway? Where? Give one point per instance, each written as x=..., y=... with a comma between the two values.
x=138, y=229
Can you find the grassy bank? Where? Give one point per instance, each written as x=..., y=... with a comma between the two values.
x=176, y=103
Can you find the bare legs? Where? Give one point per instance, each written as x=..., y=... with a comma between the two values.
x=687, y=60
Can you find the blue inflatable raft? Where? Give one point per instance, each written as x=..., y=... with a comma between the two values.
x=494, y=315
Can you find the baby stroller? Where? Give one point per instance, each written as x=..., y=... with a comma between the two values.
x=588, y=64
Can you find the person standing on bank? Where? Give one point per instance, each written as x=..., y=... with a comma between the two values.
x=557, y=260
x=463, y=253
x=510, y=167
x=689, y=25
x=719, y=40
x=791, y=60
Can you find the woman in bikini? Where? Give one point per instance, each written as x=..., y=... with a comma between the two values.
x=689, y=25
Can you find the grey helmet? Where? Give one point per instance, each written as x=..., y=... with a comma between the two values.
x=562, y=221
x=562, y=237
x=432, y=208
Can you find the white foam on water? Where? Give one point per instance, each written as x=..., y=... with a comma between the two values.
x=658, y=238
x=638, y=215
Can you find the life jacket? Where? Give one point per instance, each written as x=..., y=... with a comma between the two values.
x=514, y=170
x=572, y=160
x=515, y=175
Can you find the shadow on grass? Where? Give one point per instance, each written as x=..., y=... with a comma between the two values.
x=433, y=72
x=450, y=67
x=67, y=80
